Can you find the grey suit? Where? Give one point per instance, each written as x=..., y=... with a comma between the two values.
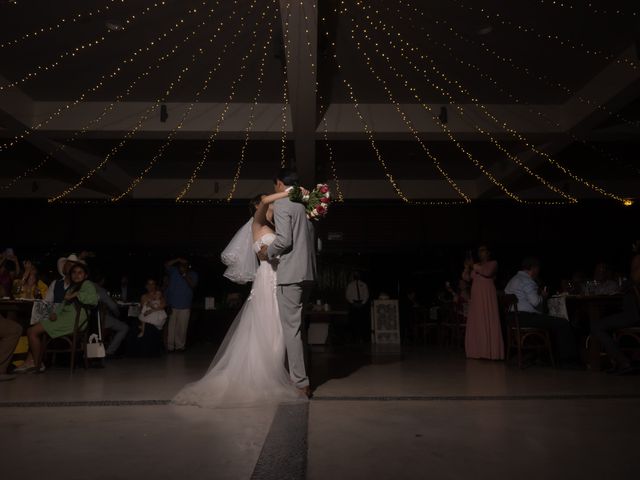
x=295, y=247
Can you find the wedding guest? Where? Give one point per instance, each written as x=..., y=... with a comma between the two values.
x=357, y=295
x=531, y=302
x=112, y=321
x=461, y=298
x=629, y=317
x=29, y=286
x=57, y=288
x=182, y=280
x=124, y=291
x=150, y=343
x=9, y=270
x=483, y=338
x=62, y=322
x=152, y=308
x=10, y=333
x=604, y=282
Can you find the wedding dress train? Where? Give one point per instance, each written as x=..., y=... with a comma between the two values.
x=248, y=369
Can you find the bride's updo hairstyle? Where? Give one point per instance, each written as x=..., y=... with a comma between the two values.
x=254, y=202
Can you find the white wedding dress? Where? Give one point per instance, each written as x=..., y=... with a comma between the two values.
x=248, y=369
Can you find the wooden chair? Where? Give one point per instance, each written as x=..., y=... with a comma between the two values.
x=632, y=333
x=453, y=326
x=423, y=325
x=72, y=344
x=522, y=338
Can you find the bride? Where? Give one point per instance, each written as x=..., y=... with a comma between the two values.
x=249, y=367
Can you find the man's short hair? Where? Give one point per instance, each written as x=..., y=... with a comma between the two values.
x=287, y=176
x=530, y=262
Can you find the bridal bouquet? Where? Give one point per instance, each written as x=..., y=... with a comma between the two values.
x=316, y=202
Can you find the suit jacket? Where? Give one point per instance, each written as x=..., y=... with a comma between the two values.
x=294, y=243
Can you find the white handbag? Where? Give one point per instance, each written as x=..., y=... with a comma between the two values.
x=95, y=347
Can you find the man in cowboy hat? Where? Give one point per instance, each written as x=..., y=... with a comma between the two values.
x=57, y=289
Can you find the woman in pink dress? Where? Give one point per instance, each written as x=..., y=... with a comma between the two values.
x=483, y=338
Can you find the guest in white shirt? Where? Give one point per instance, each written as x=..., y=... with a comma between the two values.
x=357, y=295
x=531, y=303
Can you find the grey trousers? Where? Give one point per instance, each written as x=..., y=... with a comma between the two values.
x=291, y=299
x=120, y=330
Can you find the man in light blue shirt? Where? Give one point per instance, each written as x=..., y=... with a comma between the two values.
x=531, y=302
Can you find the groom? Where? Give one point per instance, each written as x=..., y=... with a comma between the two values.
x=294, y=250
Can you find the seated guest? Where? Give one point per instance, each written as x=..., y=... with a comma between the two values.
x=603, y=279
x=62, y=322
x=9, y=270
x=153, y=307
x=112, y=320
x=629, y=317
x=10, y=333
x=57, y=288
x=531, y=302
x=29, y=286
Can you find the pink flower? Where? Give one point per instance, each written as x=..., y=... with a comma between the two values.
x=320, y=209
x=325, y=200
x=324, y=189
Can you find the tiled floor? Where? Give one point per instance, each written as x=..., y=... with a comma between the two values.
x=425, y=414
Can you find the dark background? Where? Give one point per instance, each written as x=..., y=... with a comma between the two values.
x=396, y=246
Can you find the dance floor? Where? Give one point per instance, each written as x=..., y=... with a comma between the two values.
x=423, y=414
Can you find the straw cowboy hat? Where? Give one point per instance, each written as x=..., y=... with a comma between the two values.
x=71, y=258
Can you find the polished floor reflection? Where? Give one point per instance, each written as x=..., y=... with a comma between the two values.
x=422, y=413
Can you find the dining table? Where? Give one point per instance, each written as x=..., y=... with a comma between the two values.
x=582, y=311
x=18, y=310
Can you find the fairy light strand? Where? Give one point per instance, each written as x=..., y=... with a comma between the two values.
x=119, y=98
x=551, y=37
x=503, y=125
x=83, y=47
x=214, y=134
x=59, y=24
x=434, y=117
x=116, y=71
x=521, y=68
x=142, y=120
x=285, y=86
x=444, y=46
x=448, y=132
x=251, y=121
x=589, y=7
x=380, y=158
x=330, y=154
x=203, y=88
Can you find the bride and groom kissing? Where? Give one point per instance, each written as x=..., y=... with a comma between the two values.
x=275, y=250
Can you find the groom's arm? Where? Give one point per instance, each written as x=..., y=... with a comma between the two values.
x=284, y=231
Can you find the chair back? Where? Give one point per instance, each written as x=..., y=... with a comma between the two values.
x=509, y=309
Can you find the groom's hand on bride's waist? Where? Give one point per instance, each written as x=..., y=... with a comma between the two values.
x=262, y=254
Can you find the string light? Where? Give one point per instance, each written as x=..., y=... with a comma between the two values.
x=486, y=76
x=563, y=42
x=428, y=109
x=381, y=160
x=62, y=22
x=205, y=85
x=523, y=69
x=144, y=117
x=155, y=66
x=117, y=70
x=285, y=88
x=591, y=8
x=332, y=163
x=504, y=125
x=214, y=134
x=83, y=47
x=250, y=123
x=448, y=132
